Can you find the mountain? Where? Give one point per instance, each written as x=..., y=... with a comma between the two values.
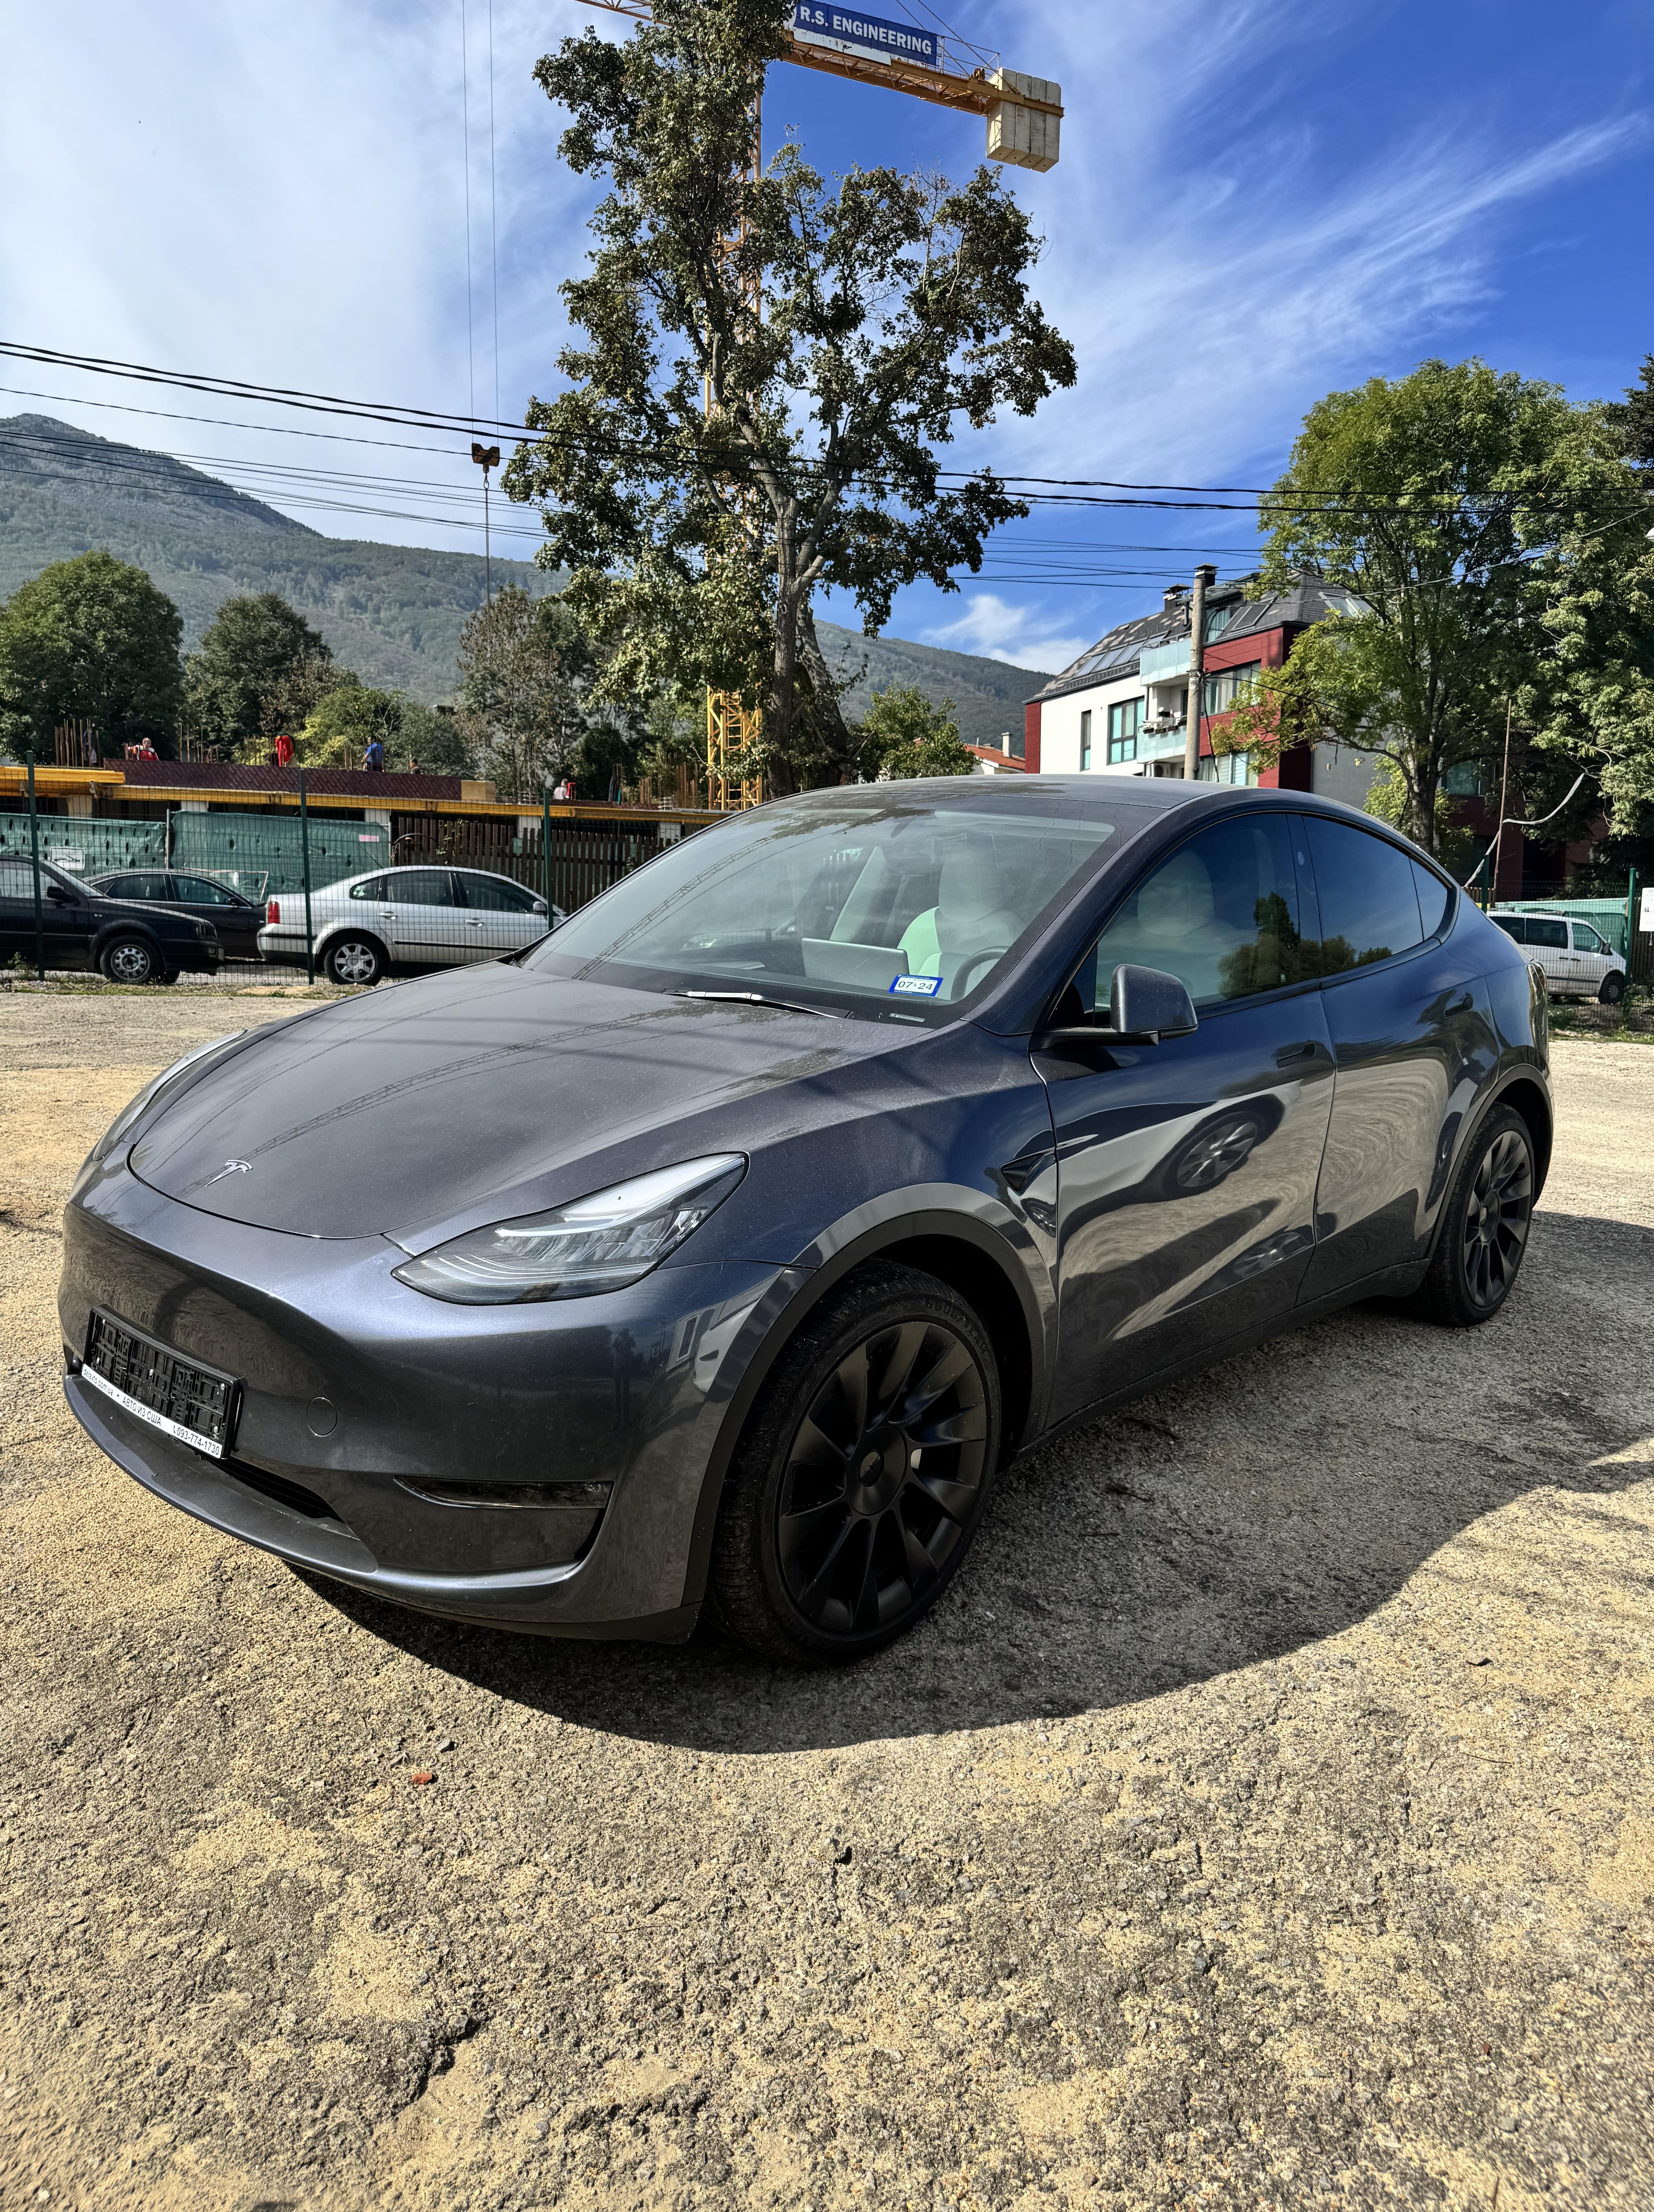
x=392, y=612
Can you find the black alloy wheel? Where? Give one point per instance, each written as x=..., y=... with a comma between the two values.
x=130, y=960
x=1485, y=1223
x=861, y=1473
x=354, y=960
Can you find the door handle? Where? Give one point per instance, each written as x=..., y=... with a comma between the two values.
x=1290, y=1055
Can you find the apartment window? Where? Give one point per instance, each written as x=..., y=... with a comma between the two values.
x=1222, y=688
x=1124, y=720
x=1085, y=738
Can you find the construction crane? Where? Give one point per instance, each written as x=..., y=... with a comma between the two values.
x=1024, y=116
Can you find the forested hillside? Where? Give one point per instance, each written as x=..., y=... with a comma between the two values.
x=392, y=612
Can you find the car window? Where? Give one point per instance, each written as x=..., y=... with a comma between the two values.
x=1433, y=896
x=373, y=888
x=17, y=880
x=494, y=894
x=1585, y=939
x=1222, y=915
x=1369, y=907
x=138, y=886
x=1541, y=930
x=1513, y=925
x=201, y=890
x=420, y=887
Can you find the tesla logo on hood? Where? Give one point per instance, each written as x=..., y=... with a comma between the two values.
x=231, y=1166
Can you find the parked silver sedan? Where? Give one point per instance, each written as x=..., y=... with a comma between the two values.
x=406, y=918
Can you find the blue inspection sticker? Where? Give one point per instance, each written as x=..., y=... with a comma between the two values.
x=917, y=987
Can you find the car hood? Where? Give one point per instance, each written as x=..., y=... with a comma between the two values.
x=414, y=1110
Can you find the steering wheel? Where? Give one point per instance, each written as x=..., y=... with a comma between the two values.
x=965, y=981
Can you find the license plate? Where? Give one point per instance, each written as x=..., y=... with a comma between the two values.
x=195, y=1404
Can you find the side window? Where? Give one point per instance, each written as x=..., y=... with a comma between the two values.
x=1585, y=939
x=1369, y=908
x=1220, y=914
x=1542, y=930
x=17, y=880
x=137, y=887
x=495, y=894
x=1513, y=925
x=201, y=891
x=421, y=887
x=373, y=889
x=1433, y=896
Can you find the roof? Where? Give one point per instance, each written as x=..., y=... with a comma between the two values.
x=319, y=782
x=1230, y=614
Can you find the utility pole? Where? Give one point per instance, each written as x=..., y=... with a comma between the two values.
x=486, y=458
x=1205, y=577
x=34, y=856
x=1499, y=834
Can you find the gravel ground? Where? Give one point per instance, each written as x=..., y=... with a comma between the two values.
x=1266, y=1818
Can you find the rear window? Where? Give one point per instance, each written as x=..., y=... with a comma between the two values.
x=373, y=889
x=1369, y=903
x=1513, y=925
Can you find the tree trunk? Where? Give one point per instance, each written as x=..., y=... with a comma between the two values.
x=840, y=751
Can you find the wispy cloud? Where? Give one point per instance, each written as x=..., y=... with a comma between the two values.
x=1004, y=631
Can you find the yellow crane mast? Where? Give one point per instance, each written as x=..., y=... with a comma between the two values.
x=1024, y=116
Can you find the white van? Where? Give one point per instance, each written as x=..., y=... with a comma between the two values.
x=1575, y=959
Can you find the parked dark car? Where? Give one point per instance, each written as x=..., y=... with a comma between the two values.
x=238, y=921
x=721, y=1249
x=131, y=942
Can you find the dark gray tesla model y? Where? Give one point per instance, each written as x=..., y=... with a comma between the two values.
x=720, y=1249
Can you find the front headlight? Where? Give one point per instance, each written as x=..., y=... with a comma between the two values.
x=598, y=1243
x=146, y=1098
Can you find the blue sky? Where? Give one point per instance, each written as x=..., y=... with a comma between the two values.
x=1256, y=203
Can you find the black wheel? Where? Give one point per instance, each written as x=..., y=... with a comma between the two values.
x=862, y=1472
x=1485, y=1222
x=1613, y=990
x=355, y=960
x=130, y=960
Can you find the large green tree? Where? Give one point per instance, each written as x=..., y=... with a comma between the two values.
x=90, y=638
x=903, y=734
x=521, y=660
x=1457, y=507
x=252, y=652
x=765, y=371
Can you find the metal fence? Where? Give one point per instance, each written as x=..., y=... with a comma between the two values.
x=241, y=898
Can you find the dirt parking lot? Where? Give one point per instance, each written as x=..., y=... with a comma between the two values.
x=1266, y=1818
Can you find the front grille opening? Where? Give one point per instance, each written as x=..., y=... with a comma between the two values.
x=281, y=1492
x=594, y=1496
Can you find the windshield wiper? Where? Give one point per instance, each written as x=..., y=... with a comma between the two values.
x=758, y=998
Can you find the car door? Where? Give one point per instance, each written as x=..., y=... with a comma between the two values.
x=16, y=910
x=1592, y=959
x=1414, y=1040
x=234, y=920
x=501, y=916
x=1186, y=1170
x=1548, y=943
x=424, y=918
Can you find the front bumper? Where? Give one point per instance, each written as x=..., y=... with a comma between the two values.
x=356, y=1386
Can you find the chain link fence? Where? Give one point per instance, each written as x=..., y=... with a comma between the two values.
x=253, y=897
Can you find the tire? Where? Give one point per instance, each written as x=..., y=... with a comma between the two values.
x=130, y=960
x=830, y=1541
x=353, y=959
x=1484, y=1226
x=1613, y=990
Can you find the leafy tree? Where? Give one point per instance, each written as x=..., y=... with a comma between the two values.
x=346, y=722
x=519, y=661
x=252, y=652
x=91, y=638
x=904, y=734
x=712, y=464
x=1455, y=505
x=437, y=738
x=1634, y=416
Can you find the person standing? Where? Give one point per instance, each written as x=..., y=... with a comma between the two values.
x=374, y=759
x=284, y=751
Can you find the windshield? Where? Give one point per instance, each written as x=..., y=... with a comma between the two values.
x=892, y=900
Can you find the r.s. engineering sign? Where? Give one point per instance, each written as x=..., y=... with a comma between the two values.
x=849, y=33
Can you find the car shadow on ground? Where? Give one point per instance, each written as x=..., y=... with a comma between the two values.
x=1259, y=1508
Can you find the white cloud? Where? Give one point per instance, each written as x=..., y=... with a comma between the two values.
x=1002, y=631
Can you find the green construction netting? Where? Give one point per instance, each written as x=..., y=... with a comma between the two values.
x=85, y=848
x=260, y=854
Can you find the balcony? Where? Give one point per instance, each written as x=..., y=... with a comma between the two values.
x=1161, y=664
x=1162, y=745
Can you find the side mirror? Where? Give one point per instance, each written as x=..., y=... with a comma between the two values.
x=58, y=895
x=1146, y=1004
